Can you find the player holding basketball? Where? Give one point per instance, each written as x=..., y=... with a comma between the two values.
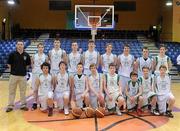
x=90, y=57
x=44, y=85
x=134, y=93
x=62, y=89
x=95, y=88
x=36, y=62
x=56, y=55
x=149, y=96
x=107, y=58
x=112, y=87
x=163, y=90
x=162, y=59
x=79, y=94
x=126, y=65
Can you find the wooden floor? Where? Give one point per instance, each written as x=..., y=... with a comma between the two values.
x=35, y=120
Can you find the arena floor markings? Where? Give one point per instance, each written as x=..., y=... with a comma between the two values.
x=36, y=120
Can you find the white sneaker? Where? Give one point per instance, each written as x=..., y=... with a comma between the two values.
x=66, y=110
x=118, y=111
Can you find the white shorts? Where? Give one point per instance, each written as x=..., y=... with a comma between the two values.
x=163, y=100
x=131, y=105
x=147, y=96
x=115, y=97
x=59, y=98
x=124, y=81
x=43, y=100
x=94, y=101
x=79, y=100
x=34, y=77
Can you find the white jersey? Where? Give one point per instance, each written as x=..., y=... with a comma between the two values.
x=38, y=60
x=112, y=83
x=163, y=85
x=126, y=66
x=133, y=89
x=107, y=59
x=45, y=84
x=62, y=83
x=144, y=63
x=95, y=81
x=90, y=58
x=73, y=60
x=79, y=84
x=146, y=84
x=161, y=61
x=56, y=58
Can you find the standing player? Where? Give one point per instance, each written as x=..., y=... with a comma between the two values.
x=144, y=61
x=56, y=55
x=79, y=89
x=36, y=62
x=44, y=83
x=73, y=59
x=90, y=57
x=62, y=89
x=133, y=93
x=112, y=87
x=107, y=58
x=96, y=89
x=149, y=96
x=126, y=65
x=162, y=59
x=164, y=94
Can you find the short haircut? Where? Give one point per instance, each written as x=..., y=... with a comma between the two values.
x=62, y=62
x=90, y=41
x=145, y=48
x=57, y=39
x=80, y=63
x=145, y=67
x=19, y=40
x=163, y=66
x=92, y=65
x=46, y=64
x=112, y=64
x=126, y=45
x=108, y=44
x=40, y=44
x=162, y=45
x=133, y=73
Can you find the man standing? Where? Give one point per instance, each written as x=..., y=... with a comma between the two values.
x=18, y=62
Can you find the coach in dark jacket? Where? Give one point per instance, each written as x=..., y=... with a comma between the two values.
x=18, y=62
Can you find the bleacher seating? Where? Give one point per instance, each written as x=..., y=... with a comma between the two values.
x=173, y=50
x=6, y=47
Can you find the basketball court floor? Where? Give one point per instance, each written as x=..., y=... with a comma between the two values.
x=18, y=120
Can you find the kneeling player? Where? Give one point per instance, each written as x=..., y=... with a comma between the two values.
x=79, y=90
x=164, y=94
x=112, y=87
x=44, y=84
x=95, y=94
x=149, y=96
x=133, y=93
x=62, y=89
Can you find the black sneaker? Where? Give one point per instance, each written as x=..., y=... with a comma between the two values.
x=9, y=109
x=155, y=112
x=50, y=111
x=24, y=108
x=169, y=113
x=34, y=106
